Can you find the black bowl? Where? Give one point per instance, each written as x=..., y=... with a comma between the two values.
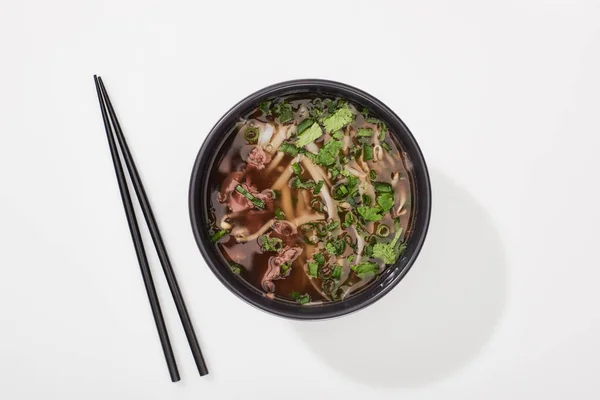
x=199, y=215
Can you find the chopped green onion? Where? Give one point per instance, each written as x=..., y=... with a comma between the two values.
x=364, y=132
x=279, y=214
x=383, y=230
x=309, y=226
x=304, y=125
x=337, y=272
x=340, y=192
x=313, y=269
x=382, y=187
x=319, y=258
x=366, y=200
x=235, y=268
x=372, y=174
x=297, y=168
x=386, y=147
x=268, y=243
x=215, y=238
x=333, y=225
x=350, y=258
x=251, y=135
x=300, y=298
x=257, y=202
x=288, y=148
x=317, y=204
x=367, y=152
x=318, y=187
x=297, y=183
x=349, y=220
x=284, y=268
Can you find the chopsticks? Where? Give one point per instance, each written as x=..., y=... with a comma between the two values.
x=108, y=110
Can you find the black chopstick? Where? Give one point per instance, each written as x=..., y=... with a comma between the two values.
x=157, y=238
x=138, y=244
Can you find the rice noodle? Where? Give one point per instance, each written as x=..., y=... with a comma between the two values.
x=284, y=177
x=303, y=203
x=306, y=218
x=241, y=234
x=315, y=171
x=355, y=172
x=275, y=162
x=283, y=132
x=286, y=202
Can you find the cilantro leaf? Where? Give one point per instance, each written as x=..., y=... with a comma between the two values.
x=328, y=153
x=283, y=112
x=369, y=213
x=385, y=252
x=309, y=135
x=389, y=252
x=265, y=107
x=268, y=243
x=338, y=119
x=385, y=201
x=365, y=268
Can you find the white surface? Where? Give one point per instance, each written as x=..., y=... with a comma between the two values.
x=503, y=98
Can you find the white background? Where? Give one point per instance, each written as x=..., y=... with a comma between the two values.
x=503, y=97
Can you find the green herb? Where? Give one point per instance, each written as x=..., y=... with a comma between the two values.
x=334, y=172
x=251, y=135
x=349, y=220
x=382, y=187
x=300, y=298
x=328, y=153
x=365, y=268
x=319, y=258
x=368, y=251
x=336, y=247
x=297, y=183
x=257, y=202
x=365, y=112
x=389, y=252
x=283, y=112
x=284, y=268
x=265, y=107
x=318, y=187
x=369, y=213
x=366, y=200
x=215, y=238
x=383, y=230
x=235, y=268
x=297, y=168
x=304, y=125
x=355, y=151
x=341, y=191
x=351, y=258
x=338, y=135
x=288, y=148
x=268, y=243
x=337, y=272
x=372, y=174
x=279, y=214
x=309, y=135
x=338, y=119
x=364, y=132
x=316, y=108
x=333, y=225
x=386, y=147
x=385, y=201
x=367, y=152
x=313, y=269
x=330, y=104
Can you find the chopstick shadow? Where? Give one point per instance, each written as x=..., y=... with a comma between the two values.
x=439, y=317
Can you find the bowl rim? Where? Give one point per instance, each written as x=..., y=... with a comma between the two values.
x=392, y=275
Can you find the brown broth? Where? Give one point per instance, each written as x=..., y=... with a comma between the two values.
x=249, y=255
